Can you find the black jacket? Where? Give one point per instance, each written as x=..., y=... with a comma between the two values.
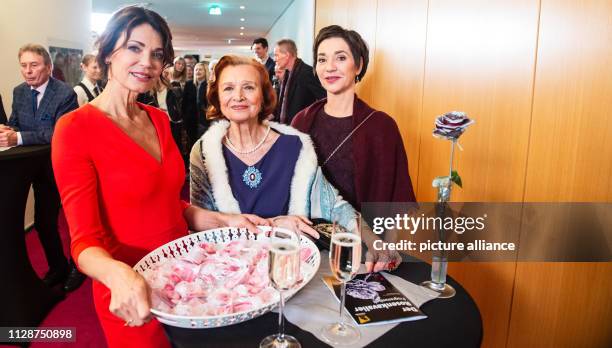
x=270, y=67
x=202, y=104
x=174, y=112
x=190, y=111
x=3, y=118
x=304, y=89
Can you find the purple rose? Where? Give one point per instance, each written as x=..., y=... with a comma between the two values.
x=451, y=125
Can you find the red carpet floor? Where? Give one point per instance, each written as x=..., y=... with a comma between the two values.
x=77, y=310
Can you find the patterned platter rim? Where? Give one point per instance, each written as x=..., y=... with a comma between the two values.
x=182, y=245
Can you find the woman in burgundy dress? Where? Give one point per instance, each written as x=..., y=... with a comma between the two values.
x=120, y=174
x=360, y=149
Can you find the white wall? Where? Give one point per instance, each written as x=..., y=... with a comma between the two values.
x=296, y=23
x=63, y=23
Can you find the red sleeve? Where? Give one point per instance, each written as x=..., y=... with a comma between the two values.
x=185, y=205
x=75, y=175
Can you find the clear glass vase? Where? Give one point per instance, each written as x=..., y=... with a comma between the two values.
x=439, y=262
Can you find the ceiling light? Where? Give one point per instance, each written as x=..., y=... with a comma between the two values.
x=214, y=10
x=242, y=19
x=241, y=34
x=242, y=7
x=241, y=28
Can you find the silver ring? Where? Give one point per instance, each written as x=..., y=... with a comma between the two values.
x=128, y=322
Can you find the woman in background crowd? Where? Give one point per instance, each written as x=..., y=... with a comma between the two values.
x=185, y=92
x=211, y=71
x=179, y=71
x=121, y=192
x=200, y=80
x=88, y=88
x=360, y=149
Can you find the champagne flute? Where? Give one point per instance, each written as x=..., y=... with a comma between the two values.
x=344, y=261
x=284, y=272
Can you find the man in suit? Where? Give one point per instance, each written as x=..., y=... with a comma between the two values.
x=190, y=62
x=37, y=105
x=300, y=86
x=260, y=47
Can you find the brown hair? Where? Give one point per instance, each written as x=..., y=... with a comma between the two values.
x=355, y=42
x=288, y=46
x=269, y=96
x=125, y=20
x=87, y=59
x=37, y=49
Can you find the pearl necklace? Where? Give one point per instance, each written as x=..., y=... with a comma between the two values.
x=233, y=148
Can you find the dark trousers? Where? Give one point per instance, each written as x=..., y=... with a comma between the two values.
x=46, y=211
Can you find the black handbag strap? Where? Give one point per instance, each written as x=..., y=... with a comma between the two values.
x=89, y=95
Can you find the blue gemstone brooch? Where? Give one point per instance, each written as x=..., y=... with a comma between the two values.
x=251, y=177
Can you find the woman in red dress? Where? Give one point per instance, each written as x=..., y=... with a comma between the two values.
x=120, y=174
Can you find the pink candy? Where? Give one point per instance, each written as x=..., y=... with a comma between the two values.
x=214, y=279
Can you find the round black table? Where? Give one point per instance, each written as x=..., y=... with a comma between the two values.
x=453, y=322
x=24, y=299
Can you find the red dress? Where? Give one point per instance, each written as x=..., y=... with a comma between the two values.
x=118, y=197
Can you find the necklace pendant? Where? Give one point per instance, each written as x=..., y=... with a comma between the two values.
x=252, y=177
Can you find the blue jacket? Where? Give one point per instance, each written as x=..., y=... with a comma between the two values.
x=59, y=99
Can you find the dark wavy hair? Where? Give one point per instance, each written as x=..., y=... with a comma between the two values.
x=124, y=21
x=269, y=96
x=358, y=46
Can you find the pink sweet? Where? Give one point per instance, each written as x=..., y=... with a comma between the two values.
x=213, y=279
x=305, y=254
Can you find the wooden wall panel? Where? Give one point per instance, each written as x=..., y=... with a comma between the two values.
x=398, y=66
x=328, y=12
x=562, y=305
x=570, y=156
x=480, y=59
x=362, y=18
